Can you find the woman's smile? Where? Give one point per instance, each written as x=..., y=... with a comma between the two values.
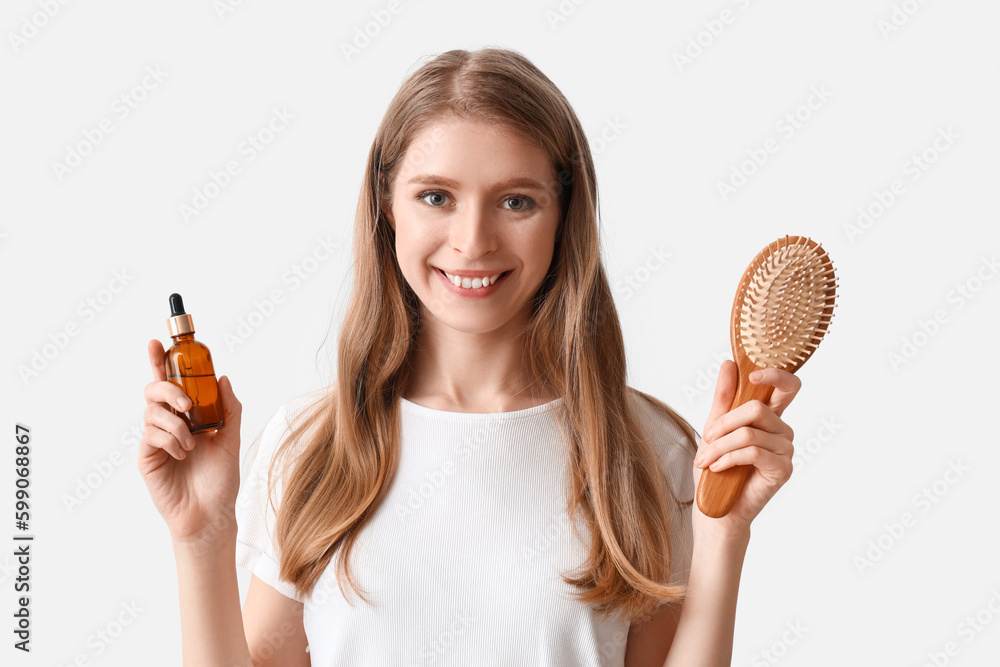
x=472, y=287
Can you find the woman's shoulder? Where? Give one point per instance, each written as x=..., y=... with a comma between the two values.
x=306, y=404
x=673, y=438
x=288, y=415
x=664, y=419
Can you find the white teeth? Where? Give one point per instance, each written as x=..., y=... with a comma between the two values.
x=472, y=283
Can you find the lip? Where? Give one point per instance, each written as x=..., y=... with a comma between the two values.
x=472, y=274
x=472, y=293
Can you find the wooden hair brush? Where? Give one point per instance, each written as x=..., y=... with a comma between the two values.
x=782, y=309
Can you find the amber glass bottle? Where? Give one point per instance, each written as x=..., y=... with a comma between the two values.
x=189, y=366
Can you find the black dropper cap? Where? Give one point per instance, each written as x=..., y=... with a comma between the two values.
x=176, y=305
x=179, y=322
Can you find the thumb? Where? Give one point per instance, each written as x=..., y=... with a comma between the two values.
x=725, y=391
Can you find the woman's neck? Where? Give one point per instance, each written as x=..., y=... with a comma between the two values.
x=461, y=372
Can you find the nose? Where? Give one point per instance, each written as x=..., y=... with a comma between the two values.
x=473, y=232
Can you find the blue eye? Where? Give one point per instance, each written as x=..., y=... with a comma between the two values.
x=428, y=194
x=527, y=202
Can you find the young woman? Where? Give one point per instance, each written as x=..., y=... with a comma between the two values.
x=479, y=486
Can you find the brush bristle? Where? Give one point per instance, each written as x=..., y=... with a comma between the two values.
x=788, y=299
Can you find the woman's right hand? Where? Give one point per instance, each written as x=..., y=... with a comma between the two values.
x=193, y=480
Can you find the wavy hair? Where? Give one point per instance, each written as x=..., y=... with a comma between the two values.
x=341, y=471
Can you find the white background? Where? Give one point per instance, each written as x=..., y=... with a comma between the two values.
x=872, y=434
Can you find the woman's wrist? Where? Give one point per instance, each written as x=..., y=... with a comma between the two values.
x=218, y=537
x=716, y=534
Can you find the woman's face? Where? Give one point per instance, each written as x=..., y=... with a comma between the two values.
x=474, y=201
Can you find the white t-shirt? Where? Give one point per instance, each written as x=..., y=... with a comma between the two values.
x=462, y=559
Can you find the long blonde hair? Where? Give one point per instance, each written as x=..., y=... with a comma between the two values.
x=342, y=471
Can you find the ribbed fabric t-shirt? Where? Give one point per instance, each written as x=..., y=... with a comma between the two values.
x=462, y=559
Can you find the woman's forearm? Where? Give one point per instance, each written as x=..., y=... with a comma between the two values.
x=211, y=619
x=704, y=636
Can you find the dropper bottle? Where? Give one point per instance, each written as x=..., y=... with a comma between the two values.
x=189, y=366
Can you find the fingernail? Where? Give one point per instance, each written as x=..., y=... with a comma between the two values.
x=183, y=402
x=708, y=434
x=756, y=375
x=699, y=459
x=190, y=442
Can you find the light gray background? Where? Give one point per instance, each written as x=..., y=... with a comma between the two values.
x=871, y=435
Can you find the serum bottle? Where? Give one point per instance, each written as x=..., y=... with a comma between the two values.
x=189, y=366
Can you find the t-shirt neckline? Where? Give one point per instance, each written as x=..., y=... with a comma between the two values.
x=416, y=408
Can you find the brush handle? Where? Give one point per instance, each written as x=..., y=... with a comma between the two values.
x=718, y=491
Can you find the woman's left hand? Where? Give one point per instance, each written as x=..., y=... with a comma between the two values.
x=750, y=434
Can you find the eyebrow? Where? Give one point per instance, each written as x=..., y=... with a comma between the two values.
x=516, y=182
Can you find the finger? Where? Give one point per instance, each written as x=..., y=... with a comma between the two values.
x=753, y=413
x=231, y=406
x=743, y=437
x=773, y=467
x=161, y=391
x=156, y=358
x=725, y=391
x=159, y=439
x=158, y=417
x=150, y=457
x=786, y=386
